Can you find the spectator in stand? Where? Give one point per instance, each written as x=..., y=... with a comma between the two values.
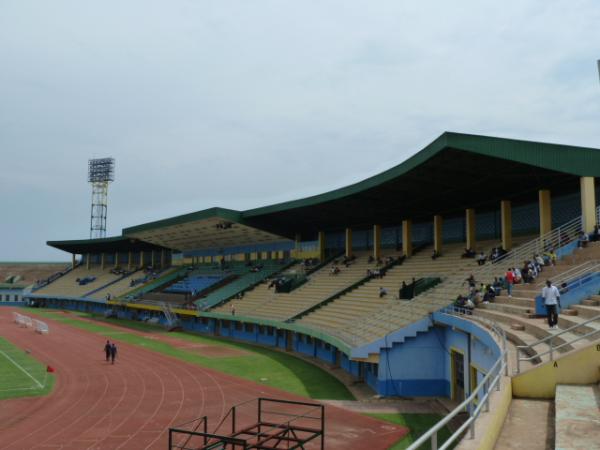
x=481, y=259
x=371, y=259
x=526, y=275
x=477, y=297
x=583, y=240
x=489, y=294
x=403, y=290
x=509, y=277
x=468, y=253
x=470, y=280
x=539, y=260
x=232, y=308
x=564, y=288
x=497, y=285
x=595, y=234
x=518, y=275
x=553, y=257
x=382, y=292
x=435, y=254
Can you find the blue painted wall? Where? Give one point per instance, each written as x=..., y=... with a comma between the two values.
x=420, y=366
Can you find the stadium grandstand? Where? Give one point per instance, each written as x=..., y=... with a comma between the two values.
x=399, y=280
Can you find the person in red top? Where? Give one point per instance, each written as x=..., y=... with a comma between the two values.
x=510, y=280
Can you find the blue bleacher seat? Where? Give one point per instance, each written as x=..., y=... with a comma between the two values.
x=194, y=283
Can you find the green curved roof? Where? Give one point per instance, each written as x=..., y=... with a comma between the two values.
x=454, y=172
x=580, y=161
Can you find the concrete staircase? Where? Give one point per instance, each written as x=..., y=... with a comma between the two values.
x=517, y=317
x=365, y=299
x=265, y=303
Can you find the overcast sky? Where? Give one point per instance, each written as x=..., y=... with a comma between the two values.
x=245, y=103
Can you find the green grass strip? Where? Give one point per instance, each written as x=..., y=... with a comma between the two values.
x=259, y=364
x=417, y=424
x=21, y=375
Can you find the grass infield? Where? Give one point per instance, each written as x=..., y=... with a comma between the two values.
x=259, y=364
x=21, y=375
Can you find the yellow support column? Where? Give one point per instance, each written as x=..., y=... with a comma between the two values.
x=152, y=262
x=142, y=262
x=297, y=243
x=116, y=260
x=73, y=261
x=376, y=241
x=163, y=258
x=321, y=245
x=506, y=224
x=588, y=203
x=470, y=228
x=102, y=261
x=545, y=212
x=348, y=242
x=88, y=261
x=437, y=233
x=407, y=238
x=129, y=260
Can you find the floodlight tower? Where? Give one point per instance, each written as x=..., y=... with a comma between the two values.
x=100, y=173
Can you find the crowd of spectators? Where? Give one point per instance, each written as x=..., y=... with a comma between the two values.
x=528, y=272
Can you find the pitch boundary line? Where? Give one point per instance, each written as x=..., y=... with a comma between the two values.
x=21, y=369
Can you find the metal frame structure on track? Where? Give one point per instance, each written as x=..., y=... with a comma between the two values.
x=279, y=424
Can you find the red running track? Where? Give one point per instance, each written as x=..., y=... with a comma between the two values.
x=95, y=405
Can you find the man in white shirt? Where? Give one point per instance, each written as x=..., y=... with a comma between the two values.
x=551, y=297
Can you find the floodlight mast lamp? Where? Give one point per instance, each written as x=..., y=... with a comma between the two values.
x=100, y=173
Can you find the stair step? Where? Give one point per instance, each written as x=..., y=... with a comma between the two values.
x=517, y=327
x=587, y=312
x=591, y=302
x=569, y=312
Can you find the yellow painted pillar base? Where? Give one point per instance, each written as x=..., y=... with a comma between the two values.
x=116, y=260
x=588, y=203
x=73, y=261
x=506, y=224
x=322, y=245
x=407, y=247
x=545, y=212
x=348, y=242
x=471, y=242
x=437, y=233
x=376, y=241
x=102, y=261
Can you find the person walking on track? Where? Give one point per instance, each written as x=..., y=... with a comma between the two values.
x=107, y=350
x=113, y=352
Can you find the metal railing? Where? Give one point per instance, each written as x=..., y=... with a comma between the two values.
x=550, y=341
x=479, y=400
x=573, y=276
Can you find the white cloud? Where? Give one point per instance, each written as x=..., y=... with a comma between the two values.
x=241, y=104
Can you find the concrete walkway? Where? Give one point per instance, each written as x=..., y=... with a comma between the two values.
x=393, y=406
x=529, y=425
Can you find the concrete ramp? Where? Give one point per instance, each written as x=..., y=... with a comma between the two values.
x=577, y=417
